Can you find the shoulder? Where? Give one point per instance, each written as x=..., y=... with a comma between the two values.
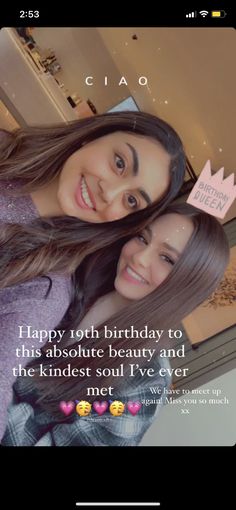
x=160, y=377
x=18, y=298
x=5, y=136
x=149, y=392
x=47, y=289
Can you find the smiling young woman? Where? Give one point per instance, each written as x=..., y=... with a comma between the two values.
x=147, y=260
x=107, y=179
x=121, y=165
x=155, y=279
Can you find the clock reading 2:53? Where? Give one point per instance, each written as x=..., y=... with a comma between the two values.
x=29, y=14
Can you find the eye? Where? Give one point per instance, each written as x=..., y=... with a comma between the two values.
x=120, y=164
x=132, y=202
x=168, y=259
x=141, y=238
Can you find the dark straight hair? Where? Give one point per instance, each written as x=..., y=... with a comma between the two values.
x=36, y=155
x=193, y=278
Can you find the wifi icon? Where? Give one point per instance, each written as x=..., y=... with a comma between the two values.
x=204, y=13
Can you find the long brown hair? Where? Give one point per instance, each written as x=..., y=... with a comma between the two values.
x=193, y=278
x=36, y=155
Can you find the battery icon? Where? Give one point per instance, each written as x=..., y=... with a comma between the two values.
x=218, y=14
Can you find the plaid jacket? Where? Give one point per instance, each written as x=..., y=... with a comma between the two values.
x=29, y=425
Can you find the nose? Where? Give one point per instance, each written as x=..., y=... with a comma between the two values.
x=143, y=257
x=109, y=192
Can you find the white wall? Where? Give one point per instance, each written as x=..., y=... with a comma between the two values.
x=82, y=52
x=206, y=425
x=192, y=81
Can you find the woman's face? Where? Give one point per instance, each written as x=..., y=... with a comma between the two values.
x=113, y=176
x=147, y=259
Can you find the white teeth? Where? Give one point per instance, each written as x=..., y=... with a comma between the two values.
x=135, y=275
x=85, y=195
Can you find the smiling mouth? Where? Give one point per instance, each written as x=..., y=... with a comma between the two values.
x=133, y=276
x=84, y=197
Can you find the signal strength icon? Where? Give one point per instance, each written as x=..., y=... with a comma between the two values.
x=203, y=13
x=191, y=15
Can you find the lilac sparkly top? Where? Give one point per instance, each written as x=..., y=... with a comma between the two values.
x=25, y=304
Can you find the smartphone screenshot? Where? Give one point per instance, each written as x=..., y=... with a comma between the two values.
x=118, y=247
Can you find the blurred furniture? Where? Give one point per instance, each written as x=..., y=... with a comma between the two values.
x=35, y=95
x=7, y=120
x=83, y=110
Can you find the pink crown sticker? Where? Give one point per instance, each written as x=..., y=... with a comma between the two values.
x=212, y=193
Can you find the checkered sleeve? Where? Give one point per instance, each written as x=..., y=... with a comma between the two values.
x=28, y=426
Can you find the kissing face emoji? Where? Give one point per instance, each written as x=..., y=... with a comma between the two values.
x=117, y=408
x=83, y=408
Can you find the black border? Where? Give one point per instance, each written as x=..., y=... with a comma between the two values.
x=97, y=15
x=178, y=477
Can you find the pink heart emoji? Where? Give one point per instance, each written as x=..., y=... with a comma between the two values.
x=67, y=407
x=134, y=407
x=100, y=407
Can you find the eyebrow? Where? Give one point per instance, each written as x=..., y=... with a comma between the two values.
x=135, y=159
x=135, y=170
x=171, y=248
x=165, y=245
